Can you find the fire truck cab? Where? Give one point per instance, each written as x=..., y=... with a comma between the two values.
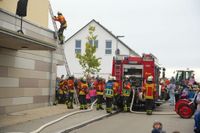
x=138, y=69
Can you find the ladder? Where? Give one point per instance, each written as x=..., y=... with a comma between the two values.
x=56, y=36
x=118, y=71
x=63, y=53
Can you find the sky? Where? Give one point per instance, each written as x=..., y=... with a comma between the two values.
x=169, y=29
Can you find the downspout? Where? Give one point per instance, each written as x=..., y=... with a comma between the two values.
x=50, y=79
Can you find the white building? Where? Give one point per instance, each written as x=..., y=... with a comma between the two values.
x=106, y=43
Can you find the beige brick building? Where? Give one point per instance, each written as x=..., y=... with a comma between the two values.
x=27, y=61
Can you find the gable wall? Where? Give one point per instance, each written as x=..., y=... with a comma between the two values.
x=106, y=62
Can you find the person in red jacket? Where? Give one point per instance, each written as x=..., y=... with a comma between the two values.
x=149, y=92
x=83, y=88
x=63, y=25
x=70, y=88
x=126, y=93
x=116, y=93
x=100, y=91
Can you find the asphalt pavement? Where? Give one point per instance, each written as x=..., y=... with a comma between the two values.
x=27, y=121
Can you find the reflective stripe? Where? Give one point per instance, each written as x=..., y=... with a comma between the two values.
x=126, y=92
x=99, y=93
x=109, y=93
x=72, y=91
x=82, y=93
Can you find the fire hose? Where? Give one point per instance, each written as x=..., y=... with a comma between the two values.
x=61, y=118
x=140, y=112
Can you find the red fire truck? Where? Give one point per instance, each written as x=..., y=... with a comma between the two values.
x=138, y=69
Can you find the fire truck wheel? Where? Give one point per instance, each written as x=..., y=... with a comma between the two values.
x=185, y=111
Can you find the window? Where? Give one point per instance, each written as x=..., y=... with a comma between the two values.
x=108, y=49
x=78, y=46
x=94, y=43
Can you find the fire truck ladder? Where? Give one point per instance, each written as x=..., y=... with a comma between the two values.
x=118, y=71
x=63, y=53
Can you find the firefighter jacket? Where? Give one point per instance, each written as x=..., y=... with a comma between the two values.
x=109, y=89
x=95, y=84
x=83, y=88
x=61, y=19
x=116, y=88
x=126, y=89
x=100, y=88
x=70, y=85
x=149, y=90
x=62, y=87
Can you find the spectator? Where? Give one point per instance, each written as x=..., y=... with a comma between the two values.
x=157, y=127
x=92, y=93
x=171, y=88
x=191, y=80
x=197, y=113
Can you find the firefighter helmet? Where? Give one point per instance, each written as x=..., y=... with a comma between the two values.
x=84, y=78
x=150, y=78
x=59, y=13
x=110, y=77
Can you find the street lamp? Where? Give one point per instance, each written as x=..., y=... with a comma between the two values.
x=117, y=51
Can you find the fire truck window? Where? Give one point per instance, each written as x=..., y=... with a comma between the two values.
x=134, y=72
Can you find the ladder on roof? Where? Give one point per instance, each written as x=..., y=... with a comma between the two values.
x=63, y=53
x=56, y=36
x=118, y=73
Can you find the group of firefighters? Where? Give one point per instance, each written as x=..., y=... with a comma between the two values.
x=108, y=92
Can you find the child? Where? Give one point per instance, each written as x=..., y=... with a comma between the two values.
x=157, y=127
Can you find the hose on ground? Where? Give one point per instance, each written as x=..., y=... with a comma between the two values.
x=61, y=118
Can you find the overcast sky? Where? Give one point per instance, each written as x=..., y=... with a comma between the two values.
x=170, y=29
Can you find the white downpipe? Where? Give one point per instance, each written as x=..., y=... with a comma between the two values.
x=154, y=113
x=61, y=118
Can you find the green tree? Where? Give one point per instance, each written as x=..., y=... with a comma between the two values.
x=89, y=62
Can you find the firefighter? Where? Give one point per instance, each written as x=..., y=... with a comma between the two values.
x=82, y=93
x=149, y=92
x=62, y=90
x=100, y=91
x=63, y=25
x=57, y=90
x=126, y=93
x=70, y=87
x=116, y=93
x=109, y=94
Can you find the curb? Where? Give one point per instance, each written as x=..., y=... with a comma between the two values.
x=85, y=123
